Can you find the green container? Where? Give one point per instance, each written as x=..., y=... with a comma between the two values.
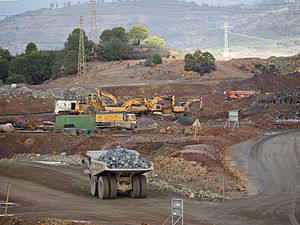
x=86, y=122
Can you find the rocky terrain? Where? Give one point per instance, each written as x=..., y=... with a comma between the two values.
x=191, y=163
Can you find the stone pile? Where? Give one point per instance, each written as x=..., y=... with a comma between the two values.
x=57, y=93
x=186, y=191
x=122, y=158
x=62, y=158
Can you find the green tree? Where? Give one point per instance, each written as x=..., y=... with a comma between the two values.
x=31, y=47
x=19, y=66
x=114, y=44
x=202, y=62
x=1, y=83
x=138, y=33
x=70, y=62
x=39, y=64
x=15, y=79
x=115, y=49
x=116, y=32
x=55, y=71
x=155, y=40
x=35, y=67
x=5, y=54
x=156, y=59
x=4, y=69
x=72, y=43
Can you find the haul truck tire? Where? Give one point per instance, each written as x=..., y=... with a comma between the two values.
x=93, y=185
x=103, y=187
x=136, y=187
x=112, y=187
x=143, y=183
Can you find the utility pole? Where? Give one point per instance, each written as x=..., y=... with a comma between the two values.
x=93, y=25
x=226, y=46
x=81, y=50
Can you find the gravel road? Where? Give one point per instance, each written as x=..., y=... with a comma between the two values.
x=270, y=163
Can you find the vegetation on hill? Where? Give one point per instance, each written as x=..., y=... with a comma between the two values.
x=36, y=66
x=33, y=67
x=201, y=62
x=183, y=25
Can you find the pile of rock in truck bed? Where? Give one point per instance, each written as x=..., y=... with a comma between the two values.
x=122, y=158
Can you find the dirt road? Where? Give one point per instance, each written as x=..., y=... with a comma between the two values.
x=271, y=164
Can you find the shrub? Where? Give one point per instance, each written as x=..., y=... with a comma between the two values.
x=15, y=79
x=156, y=59
x=201, y=62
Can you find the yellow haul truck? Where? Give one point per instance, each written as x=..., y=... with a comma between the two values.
x=116, y=120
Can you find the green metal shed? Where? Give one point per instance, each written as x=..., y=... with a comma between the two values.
x=75, y=121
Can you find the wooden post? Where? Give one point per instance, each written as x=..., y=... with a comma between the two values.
x=223, y=185
x=7, y=198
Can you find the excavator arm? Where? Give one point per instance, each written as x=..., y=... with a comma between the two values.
x=193, y=100
x=108, y=95
x=131, y=102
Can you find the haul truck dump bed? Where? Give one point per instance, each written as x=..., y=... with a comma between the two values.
x=107, y=178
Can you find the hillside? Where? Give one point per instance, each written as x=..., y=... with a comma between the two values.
x=12, y=7
x=184, y=25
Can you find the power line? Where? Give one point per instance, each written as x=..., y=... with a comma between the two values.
x=252, y=37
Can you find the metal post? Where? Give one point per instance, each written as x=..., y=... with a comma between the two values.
x=93, y=25
x=226, y=45
x=81, y=50
x=7, y=197
x=223, y=185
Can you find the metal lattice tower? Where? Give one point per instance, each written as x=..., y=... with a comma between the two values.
x=226, y=46
x=93, y=25
x=81, y=51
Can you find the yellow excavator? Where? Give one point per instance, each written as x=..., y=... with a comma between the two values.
x=138, y=105
x=126, y=106
x=183, y=107
x=107, y=96
x=153, y=104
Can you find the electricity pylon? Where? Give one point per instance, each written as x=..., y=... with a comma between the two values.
x=93, y=25
x=226, y=46
x=81, y=51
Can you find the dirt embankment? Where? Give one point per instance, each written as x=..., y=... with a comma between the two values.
x=206, y=151
x=40, y=221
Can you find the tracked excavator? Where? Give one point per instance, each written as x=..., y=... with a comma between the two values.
x=153, y=104
x=183, y=107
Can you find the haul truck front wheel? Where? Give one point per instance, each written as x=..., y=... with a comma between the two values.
x=103, y=187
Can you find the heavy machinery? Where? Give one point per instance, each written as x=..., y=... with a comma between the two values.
x=231, y=95
x=119, y=120
x=126, y=106
x=93, y=102
x=183, y=107
x=88, y=106
x=106, y=182
x=153, y=104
